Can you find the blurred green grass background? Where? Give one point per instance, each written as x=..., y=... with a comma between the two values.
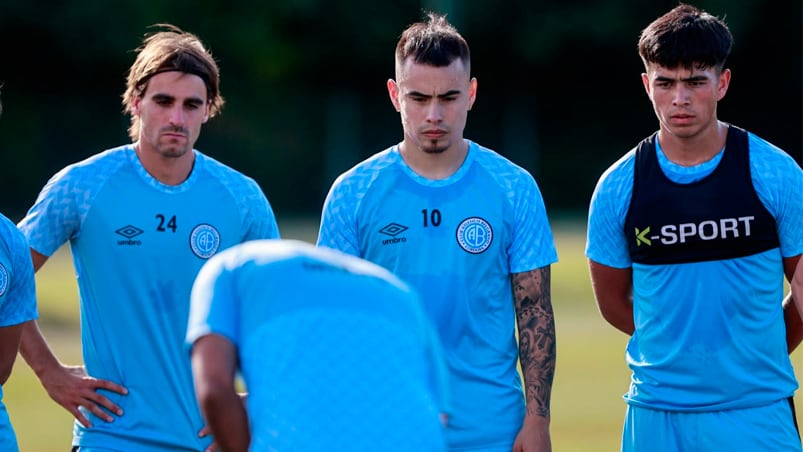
x=591, y=375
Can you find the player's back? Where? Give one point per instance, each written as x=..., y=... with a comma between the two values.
x=336, y=353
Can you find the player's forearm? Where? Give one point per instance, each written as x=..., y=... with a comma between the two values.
x=537, y=340
x=9, y=344
x=792, y=319
x=225, y=413
x=537, y=357
x=35, y=350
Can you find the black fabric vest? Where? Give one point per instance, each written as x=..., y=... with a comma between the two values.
x=716, y=218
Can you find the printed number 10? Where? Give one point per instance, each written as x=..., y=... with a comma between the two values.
x=433, y=217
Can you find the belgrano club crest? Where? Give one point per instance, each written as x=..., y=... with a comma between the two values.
x=3, y=280
x=204, y=241
x=474, y=235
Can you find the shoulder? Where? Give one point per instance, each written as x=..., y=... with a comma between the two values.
x=619, y=174
x=96, y=167
x=12, y=240
x=513, y=181
x=765, y=156
x=363, y=174
x=10, y=233
x=496, y=163
x=231, y=179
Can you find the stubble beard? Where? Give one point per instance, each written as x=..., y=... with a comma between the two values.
x=173, y=151
x=433, y=147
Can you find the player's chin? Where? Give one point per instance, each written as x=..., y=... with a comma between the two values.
x=434, y=146
x=173, y=151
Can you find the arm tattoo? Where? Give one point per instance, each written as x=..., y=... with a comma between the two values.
x=536, y=325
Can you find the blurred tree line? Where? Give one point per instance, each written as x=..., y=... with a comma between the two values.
x=559, y=84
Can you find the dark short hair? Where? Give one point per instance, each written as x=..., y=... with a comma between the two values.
x=686, y=37
x=435, y=42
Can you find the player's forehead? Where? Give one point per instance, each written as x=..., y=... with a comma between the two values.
x=177, y=85
x=434, y=80
x=681, y=72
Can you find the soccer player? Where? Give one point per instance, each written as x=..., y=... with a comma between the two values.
x=141, y=219
x=336, y=353
x=468, y=230
x=17, y=309
x=689, y=236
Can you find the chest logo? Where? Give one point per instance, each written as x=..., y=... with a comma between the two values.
x=393, y=230
x=129, y=232
x=3, y=280
x=204, y=240
x=474, y=235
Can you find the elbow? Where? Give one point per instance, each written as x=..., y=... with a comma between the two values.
x=620, y=318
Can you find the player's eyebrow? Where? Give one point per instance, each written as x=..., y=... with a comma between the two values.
x=161, y=97
x=693, y=78
x=450, y=93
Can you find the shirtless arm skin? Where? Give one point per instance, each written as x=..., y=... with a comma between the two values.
x=793, y=303
x=69, y=386
x=9, y=345
x=214, y=363
x=537, y=344
x=613, y=290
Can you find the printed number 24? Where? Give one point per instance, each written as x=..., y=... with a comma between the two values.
x=433, y=217
x=171, y=223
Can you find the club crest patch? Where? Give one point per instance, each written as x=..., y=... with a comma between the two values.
x=474, y=235
x=3, y=280
x=204, y=241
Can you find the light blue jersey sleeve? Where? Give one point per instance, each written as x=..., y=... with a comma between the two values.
x=606, y=243
x=17, y=283
x=778, y=180
x=64, y=202
x=338, y=227
x=532, y=245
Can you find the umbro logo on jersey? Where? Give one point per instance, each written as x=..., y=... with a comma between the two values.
x=393, y=230
x=129, y=232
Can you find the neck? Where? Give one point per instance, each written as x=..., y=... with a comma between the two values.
x=695, y=149
x=434, y=166
x=169, y=170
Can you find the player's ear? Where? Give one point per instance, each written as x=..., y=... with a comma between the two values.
x=472, y=92
x=393, y=92
x=723, y=83
x=645, y=80
x=135, y=103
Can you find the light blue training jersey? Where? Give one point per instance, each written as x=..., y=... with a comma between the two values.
x=709, y=335
x=17, y=302
x=456, y=241
x=336, y=353
x=137, y=246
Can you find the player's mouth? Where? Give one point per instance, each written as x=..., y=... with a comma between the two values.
x=681, y=118
x=434, y=134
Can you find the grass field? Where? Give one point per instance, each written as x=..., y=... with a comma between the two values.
x=587, y=406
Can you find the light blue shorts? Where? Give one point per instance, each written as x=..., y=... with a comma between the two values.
x=765, y=428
